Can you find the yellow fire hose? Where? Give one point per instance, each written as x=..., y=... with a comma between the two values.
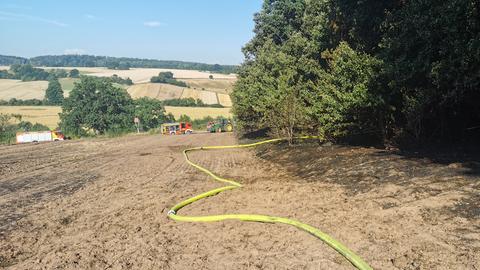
x=340, y=248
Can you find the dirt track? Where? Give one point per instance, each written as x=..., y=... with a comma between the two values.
x=101, y=204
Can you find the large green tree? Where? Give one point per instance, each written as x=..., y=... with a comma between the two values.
x=96, y=105
x=54, y=92
x=393, y=69
x=150, y=112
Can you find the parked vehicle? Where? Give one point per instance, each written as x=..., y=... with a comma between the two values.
x=222, y=125
x=40, y=136
x=176, y=128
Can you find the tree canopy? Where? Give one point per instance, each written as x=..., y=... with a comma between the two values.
x=395, y=70
x=54, y=93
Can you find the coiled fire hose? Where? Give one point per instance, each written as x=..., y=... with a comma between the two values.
x=339, y=247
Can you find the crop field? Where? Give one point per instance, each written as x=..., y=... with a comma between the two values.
x=206, y=96
x=142, y=75
x=22, y=90
x=68, y=84
x=155, y=90
x=46, y=115
x=167, y=91
x=210, y=91
x=30, y=90
x=223, y=86
x=224, y=99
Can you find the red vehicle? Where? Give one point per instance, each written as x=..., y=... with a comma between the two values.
x=177, y=128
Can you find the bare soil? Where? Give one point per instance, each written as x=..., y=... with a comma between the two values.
x=102, y=204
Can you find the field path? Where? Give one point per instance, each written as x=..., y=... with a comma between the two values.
x=102, y=204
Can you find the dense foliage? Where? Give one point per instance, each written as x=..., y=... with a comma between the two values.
x=116, y=79
x=112, y=62
x=96, y=105
x=54, y=93
x=29, y=73
x=6, y=60
x=391, y=70
x=167, y=77
x=150, y=112
x=74, y=73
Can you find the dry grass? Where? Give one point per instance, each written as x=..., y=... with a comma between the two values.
x=223, y=86
x=45, y=115
x=29, y=90
x=22, y=90
x=198, y=112
x=206, y=96
x=224, y=100
x=142, y=75
x=155, y=90
x=166, y=91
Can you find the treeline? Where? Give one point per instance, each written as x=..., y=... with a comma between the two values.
x=113, y=62
x=188, y=102
x=27, y=72
x=6, y=60
x=396, y=71
x=167, y=77
x=23, y=102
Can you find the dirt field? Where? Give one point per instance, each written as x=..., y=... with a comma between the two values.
x=102, y=204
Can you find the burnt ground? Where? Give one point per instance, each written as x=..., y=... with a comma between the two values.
x=102, y=204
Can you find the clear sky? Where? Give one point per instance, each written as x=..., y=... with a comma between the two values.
x=209, y=31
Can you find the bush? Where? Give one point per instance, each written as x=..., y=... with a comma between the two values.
x=167, y=77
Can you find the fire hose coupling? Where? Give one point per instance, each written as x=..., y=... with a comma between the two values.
x=171, y=212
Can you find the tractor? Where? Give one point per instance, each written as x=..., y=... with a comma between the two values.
x=221, y=125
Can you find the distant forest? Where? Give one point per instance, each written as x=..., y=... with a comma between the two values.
x=105, y=61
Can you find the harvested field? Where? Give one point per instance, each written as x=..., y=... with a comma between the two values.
x=155, y=90
x=223, y=86
x=102, y=204
x=198, y=112
x=46, y=115
x=224, y=100
x=206, y=96
x=22, y=90
x=143, y=75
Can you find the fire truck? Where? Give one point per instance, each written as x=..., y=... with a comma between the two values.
x=176, y=128
x=40, y=136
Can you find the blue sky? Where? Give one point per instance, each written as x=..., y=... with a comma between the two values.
x=209, y=31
